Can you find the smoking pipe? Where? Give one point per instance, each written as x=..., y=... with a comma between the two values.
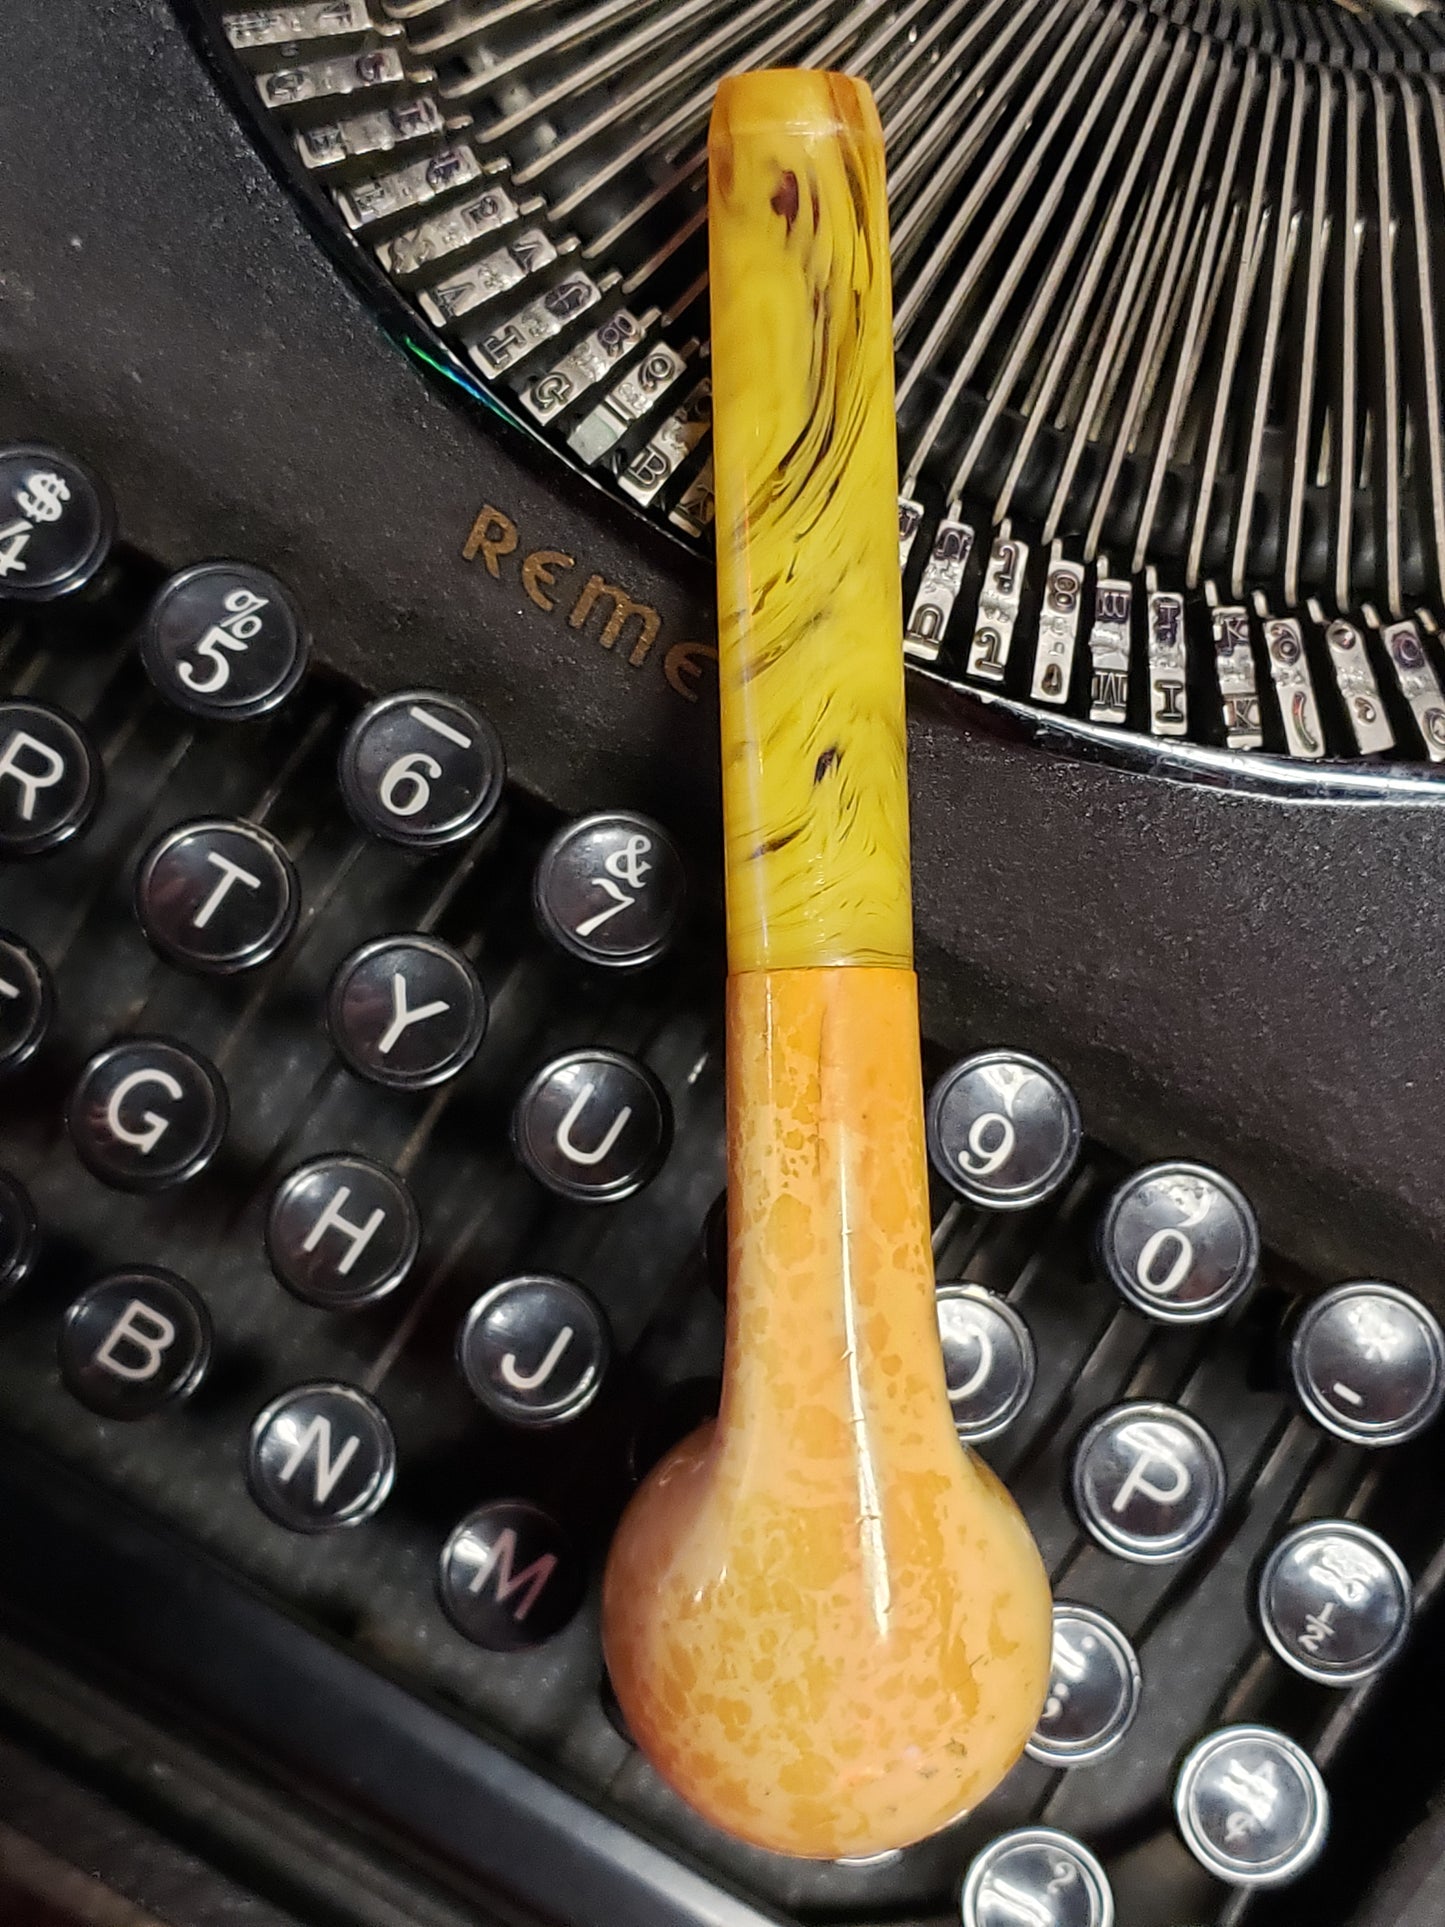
x=824, y=1619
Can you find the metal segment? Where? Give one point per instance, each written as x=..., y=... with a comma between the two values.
x=1164, y=286
x=1316, y=247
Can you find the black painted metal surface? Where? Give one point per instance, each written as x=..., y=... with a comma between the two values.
x=383, y=1592
x=1254, y=976
x=1242, y=974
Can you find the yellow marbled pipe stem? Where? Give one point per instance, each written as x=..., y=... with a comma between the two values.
x=826, y=1623
x=810, y=622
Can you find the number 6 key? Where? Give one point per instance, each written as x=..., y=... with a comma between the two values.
x=422, y=769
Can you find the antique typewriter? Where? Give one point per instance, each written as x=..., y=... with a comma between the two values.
x=361, y=962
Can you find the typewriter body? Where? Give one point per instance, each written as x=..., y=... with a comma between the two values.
x=368, y=1688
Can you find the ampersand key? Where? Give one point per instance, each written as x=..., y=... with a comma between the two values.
x=610, y=889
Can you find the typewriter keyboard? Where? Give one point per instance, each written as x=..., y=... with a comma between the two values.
x=360, y=1174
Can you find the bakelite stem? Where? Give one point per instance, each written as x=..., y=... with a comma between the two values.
x=825, y=1621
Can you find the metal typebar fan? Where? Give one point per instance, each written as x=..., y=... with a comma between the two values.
x=1169, y=289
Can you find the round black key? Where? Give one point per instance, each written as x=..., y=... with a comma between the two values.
x=1180, y=1242
x=57, y=523
x=19, y=1233
x=407, y=1012
x=1003, y=1129
x=27, y=1002
x=1038, y=1875
x=342, y=1231
x=422, y=769
x=509, y=1577
x=1094, y=1689
x=217, y=896
x=320, y=1457
x=135, y=1341
x=1251, y=1806
x=1334, y=1601
x=534, y=1349
x=594, y=1126
x=224, y=640
x=1148, y=1482
x=988, y=1360
x=611, y=889
x=1368, y=1363
x=147, y=1113
x=50, y=778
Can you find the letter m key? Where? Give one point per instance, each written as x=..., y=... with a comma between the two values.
x=499, y=1561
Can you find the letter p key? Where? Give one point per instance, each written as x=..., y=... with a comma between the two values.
x=1158, y=1473
x=1148, y=1481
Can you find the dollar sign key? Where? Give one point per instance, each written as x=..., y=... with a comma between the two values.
x=43, y=496
x=56, y=523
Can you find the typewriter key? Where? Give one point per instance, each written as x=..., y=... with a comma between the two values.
x=610, y=888
x=19, y=1233
x=27, y=1002
x=1094, y=1689
x=534, y=1350
x=1003, y=1129
x=342, y=1231
x=407, y=1012
x=509, y=1577
x=1039, y=1875
x=1368, y=1363
x=988, y=1360
x=147, y=1113
x=594, y=1126
x=50, y=778
x=1148, y=1482
x=422, y=769
x=133, y=1342
x=320, y=1457
x=1251, y=1806
x=1334, y=1601
x=217, y=896
x=1179, y=1242
x=57, y=523
x=223, y=640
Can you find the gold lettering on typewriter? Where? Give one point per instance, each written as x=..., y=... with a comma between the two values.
x=493, y=536
x=624, y=608
x=623, y=620
x=538, y=575
x=682, y=665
